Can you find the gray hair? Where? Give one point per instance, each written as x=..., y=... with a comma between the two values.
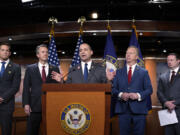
x=39, y=46
x=137, y=50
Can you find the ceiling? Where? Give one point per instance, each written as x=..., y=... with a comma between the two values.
x=14, y=13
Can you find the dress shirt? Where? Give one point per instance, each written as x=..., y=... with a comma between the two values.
x=175, y=70
x=7, y=62
x=46, y=68
x=88, y=66
x=132, y=68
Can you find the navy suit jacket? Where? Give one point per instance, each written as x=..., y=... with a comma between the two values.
x=140, y=83
x=9, y=85
x=33, y=84
x=97, y=74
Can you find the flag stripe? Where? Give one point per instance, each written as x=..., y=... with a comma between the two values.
x=53, y=56
x=76, y=58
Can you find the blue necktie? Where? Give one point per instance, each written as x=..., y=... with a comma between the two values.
x=86, y=72
x=2, y=68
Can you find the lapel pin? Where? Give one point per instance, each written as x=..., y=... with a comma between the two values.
x=9, y=72
x=9, y=65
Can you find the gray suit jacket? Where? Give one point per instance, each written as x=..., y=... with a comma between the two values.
x=32, y=86
x=97, y=74
x=9, y=85
x=169, y=91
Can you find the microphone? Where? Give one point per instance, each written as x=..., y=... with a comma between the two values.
x=68, y=73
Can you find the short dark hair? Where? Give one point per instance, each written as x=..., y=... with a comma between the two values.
x=174, y=54
x=87, y=44
x=39, y=46
x=6, y=44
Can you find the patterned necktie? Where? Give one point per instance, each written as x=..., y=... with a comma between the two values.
x=2, y=68
x=43, y=74
x=129, y=74
x=86, y=72
x=172, y=76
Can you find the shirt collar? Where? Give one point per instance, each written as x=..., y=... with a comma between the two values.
x=176, y=70
x=89, y=63
x=7, y=61
x=133, y=66
x=40, y=64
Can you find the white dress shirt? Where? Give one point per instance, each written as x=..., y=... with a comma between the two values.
x=46, y=68
x=7, y=62
x=88, y=66
x=132, y=69
x=175, y=70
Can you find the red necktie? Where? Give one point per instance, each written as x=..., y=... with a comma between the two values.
x=129, y=74
x=172, y=76
x=43, y=74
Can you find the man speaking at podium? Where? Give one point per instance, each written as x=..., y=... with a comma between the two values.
x=87, y=71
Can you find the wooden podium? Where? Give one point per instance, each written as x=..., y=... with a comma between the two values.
x=95, y=97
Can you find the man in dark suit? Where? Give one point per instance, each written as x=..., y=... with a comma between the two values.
x=87, y=71
x=131, y=87
x=169, y=91
x=10, y=76
x=35, y=75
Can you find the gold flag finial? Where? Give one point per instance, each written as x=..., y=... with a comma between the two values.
x=53, y=20
x=81, y=20
x=133, y=20
x=108, y=26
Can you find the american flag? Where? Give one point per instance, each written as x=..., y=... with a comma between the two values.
x=76, y=58
x=53, y=56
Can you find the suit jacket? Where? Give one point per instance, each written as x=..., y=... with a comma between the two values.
x=140, y=83
x=9, y=85
x=169, y=91
x=33, y=84
x=97, y=74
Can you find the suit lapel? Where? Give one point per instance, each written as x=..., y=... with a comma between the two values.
x=176, y=76
x=49, y=73
x=36, y=70
x=79, y=72
x=125, y=76
x=167, y=76
x=135, y=74
x=8, y=69
x=91, y=71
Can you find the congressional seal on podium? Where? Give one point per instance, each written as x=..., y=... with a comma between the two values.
x=75, y=119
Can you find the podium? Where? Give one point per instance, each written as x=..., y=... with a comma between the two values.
x=58, y=106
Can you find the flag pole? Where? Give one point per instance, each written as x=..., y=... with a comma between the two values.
x=76, y=58
x=134, y=27
x=109, y=27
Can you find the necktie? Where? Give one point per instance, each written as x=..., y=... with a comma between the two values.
x=172, y=76
x=86, y=72
x=129, y=74
x=43, y=74
x=2, y=68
